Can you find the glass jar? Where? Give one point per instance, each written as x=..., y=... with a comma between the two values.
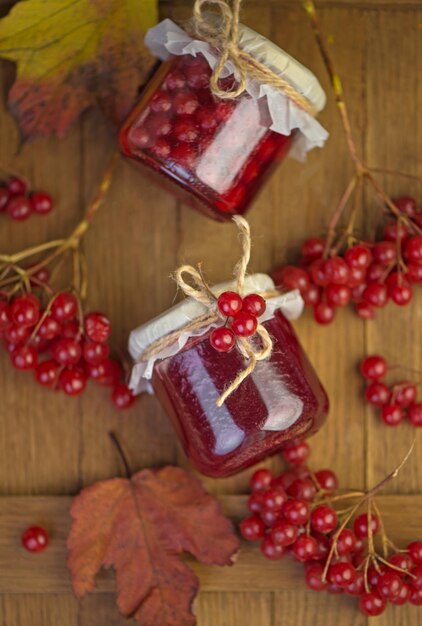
x=215, y=154
x=281, y=400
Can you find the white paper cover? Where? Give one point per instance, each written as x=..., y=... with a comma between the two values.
x=167, y=39
x=291, y=305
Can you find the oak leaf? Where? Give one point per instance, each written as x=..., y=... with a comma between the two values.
x=73, y=54
x=140, y=527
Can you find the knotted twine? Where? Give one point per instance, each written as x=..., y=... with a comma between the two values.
x=198, y=289
x=224, y=35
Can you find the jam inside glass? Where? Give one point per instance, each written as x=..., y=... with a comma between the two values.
x=282, y=399
x=211, y=153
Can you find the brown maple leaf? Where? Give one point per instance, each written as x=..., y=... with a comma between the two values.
x=73, y=54
x=140, y=526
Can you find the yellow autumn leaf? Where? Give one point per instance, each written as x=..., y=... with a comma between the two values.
x=73, y=54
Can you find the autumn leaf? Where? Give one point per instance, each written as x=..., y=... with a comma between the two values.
x=140, y=527
x=73, y=54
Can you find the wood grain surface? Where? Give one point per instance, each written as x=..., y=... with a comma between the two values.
x=51, y=446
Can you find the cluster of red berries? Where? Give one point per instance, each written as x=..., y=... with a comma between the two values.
x=396, y=402
x=76, y=345
x=242, y=319
x=19, y=203
x=368, y=274
x=290, y=514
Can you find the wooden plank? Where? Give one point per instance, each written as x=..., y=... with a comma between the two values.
x=39, y=610
x=356, y=4
x=232, y=609
x=22, y=572
x=393, y=66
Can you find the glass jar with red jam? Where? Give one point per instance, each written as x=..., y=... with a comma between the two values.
x=281, y=400
x=215, y=154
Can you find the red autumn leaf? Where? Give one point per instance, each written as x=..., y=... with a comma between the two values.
x=74, y=54
x=140, y=527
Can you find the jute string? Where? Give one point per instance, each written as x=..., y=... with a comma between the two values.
x=195, y=286
x=224, y=35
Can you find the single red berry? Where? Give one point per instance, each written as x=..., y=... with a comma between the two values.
x=311, y=296
x=405, y=394
x=323, y=519
x=365, y=311
x=273, y=499
x=49, y=329
x=377, y=394
x=399, y=289
x=414, y=414
x=327, y=480
x=385, y=252
x=403, y=595
x=270, y=518
x=157, y=125
x=375, y=294
x=97, y=327
x=357, y=279
x=292, y=277
x=341, y=574
x=185, y=103
x=41, y=202
x=19, y=208
x=175, y=81
x=4, y=315
x=284, y=533
x=346, y=542
x=108, y=373
x=416, y=581
x=229, y=303
x=255, y=502
x=303, y=489
x=252, y=528
x=414, y=273
x=395, y=231
x=46, y=373
x=406, y=204
x=5, y=196
x=374, y=576
x=222, y=339
x=296, y=511
x=161, y=102
x=415, y=552
x=372, y=604
x=304, y=548
x=17, y=335
x=161, y=148
x=72, y=381
x=375, y=273
x=359, y=256
x=337, y=271
x=261, y=480
x=389, y=585
x=360, y=525
x=95, y=353
x=403, y=560
x=25, y=310
x=318, y=273
x=270, y=550
x=374, y=367
x=24, y=358
x=254, y=304
x=357, y=587
x=313, y=248
x=186, y=130
x=413, y=249
x=415, y=596
x=17, y=186
x=334, y=589
x=66, y=351
x=324, y=313
x=323, y=546
x=338, y=295
x=64, y=307
x=244, y=324
x=35, y=539
x=296, y=452
x=71, y=330
x=122, y=397
x=392, y=414
x=313, y=577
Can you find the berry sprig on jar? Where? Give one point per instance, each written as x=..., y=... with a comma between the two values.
x=241, y=319
x=19, y=202
x=296, y=513
x=366, y=274
x=47, y=330
x=396, y=403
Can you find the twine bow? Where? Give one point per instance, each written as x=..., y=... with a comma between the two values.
x=223, y=34
x=198, y=289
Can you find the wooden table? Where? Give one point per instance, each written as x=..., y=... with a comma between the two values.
x=51, y=446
